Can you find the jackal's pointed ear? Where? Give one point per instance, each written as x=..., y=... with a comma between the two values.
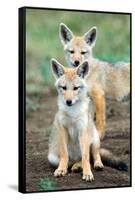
x=65, y=34
x=83, y=69
x=90, y=36
x=57, y=68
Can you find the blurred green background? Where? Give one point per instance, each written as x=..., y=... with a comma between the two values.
x=43, y=43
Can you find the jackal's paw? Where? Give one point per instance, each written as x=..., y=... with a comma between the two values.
x=60, y=172
x=98, y=165
x=88, y=177
x=77, y=167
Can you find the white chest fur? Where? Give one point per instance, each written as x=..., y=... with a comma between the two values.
x=74, y=118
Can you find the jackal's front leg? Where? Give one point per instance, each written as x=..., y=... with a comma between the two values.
x=85, y=151
x=63, y=153
x=98, y=165
x=99, y=101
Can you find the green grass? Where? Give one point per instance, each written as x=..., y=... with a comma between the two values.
x=43, y=43
x=46, y=184
x=46, y=72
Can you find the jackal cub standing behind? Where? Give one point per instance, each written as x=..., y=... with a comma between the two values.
x=74, y=131
x=104, y=79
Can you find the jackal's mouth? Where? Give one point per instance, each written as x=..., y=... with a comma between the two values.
x=74, y=65
x=69, y=105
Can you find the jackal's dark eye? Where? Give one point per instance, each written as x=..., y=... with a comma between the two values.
x=83, y=52
x=75, y=88
x=71, y=51
x=64, y=87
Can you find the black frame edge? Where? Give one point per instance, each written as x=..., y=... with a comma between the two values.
x=76, y=10
x=21, y=103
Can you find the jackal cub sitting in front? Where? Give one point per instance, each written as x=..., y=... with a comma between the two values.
x=74, y=133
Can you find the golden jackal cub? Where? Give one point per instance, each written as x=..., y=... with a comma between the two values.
x=74, y=131
x=104, y=79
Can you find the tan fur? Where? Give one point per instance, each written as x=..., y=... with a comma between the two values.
x=63, y=164
x=73, y=131
x=99, y=100
x=104, y=79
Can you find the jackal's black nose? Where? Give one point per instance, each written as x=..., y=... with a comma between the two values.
x=69, y=102
x=76, y=63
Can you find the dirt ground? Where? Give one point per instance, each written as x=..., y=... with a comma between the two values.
x=38, y=127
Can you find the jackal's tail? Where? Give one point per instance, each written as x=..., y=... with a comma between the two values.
x=110, y=160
